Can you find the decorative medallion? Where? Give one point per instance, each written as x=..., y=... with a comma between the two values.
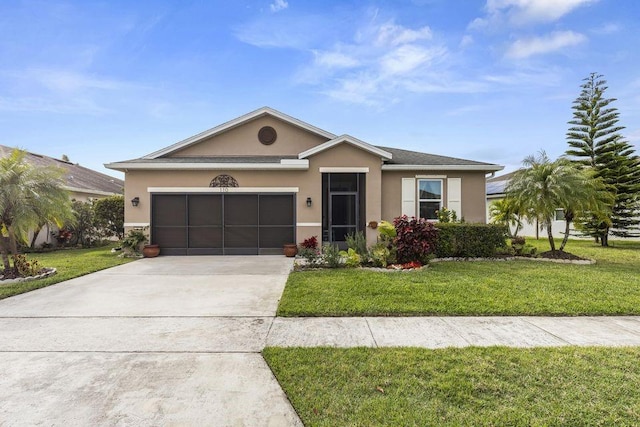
x=223, y=181
x=267, y=135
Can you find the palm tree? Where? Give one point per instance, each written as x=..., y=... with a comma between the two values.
x=506, y=212
x=543, y=186
x=28, y=196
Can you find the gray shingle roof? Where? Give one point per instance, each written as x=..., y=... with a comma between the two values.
x=77, y=177
x=406, y=157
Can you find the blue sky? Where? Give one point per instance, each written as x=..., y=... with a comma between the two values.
x=486, y=80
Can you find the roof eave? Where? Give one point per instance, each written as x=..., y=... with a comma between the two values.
x=127, y=166
x=404, y=167
x=385, y=155
x=90, y=191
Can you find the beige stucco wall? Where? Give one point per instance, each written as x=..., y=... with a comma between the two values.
x=473, y=192
x=345, y=155
x=309, y=183
x=243, y=141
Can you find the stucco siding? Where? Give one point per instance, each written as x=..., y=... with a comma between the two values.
x=243, y=141
x=473, y=192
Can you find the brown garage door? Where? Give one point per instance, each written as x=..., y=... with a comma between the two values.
x=222, y=224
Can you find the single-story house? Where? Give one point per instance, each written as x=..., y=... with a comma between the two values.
x=83, y=184
x=265, y=179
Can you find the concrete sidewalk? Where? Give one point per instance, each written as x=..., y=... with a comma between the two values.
x=438, y=332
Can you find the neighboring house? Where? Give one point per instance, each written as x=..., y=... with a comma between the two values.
x=83, y=184
x=496, y=191
x=265, y=179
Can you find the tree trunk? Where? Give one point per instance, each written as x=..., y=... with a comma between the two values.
x=568, y=219
x=567, y=224
x=604, y=238
x=550, y=235
x=4, y=250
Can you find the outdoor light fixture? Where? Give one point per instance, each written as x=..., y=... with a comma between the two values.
x=309, y=202
x=135, y=201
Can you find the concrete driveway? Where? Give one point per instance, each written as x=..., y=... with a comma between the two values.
x=162, y=341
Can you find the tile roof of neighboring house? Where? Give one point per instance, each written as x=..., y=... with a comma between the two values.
x=406, y=157
x=78, y=178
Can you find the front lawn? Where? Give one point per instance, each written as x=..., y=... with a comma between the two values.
x=610, y=287
x=70, y=263
x=468, y=386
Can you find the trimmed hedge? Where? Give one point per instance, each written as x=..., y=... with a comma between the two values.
x=469, y=240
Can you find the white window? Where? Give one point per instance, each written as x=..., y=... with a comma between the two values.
x=429, y=198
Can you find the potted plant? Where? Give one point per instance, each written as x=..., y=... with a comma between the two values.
x=290, y=250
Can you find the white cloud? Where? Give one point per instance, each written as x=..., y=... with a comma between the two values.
x=407, y=58
x=555, y=41
x=335, y=60
x=70, y=81
x=466, y=41
x=278, y=5
x=608, y=28
x=378, y=62
x=522, y=12
x=390, y=34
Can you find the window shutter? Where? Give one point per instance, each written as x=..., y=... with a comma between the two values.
x=454, y=195
x=409, y=197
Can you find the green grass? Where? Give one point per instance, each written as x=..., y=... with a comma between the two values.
x=568, y=386
x=70, y=263
x=610, y=287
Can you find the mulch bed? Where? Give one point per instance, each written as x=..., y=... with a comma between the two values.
x=561, y=255
x=6, y=275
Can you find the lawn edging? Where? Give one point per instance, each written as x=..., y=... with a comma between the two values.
x=519, y=258
x=49, y=272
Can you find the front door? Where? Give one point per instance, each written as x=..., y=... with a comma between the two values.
x=343, y=206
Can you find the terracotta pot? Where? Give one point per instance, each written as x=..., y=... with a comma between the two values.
x=151, y=251
x=290, y=250
x=373, y=224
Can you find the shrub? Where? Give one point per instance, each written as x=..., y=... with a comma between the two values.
x=415, y=239
x=352, y=258
x=134, y=239
x=358, y=242
x=387, y=231
x=521, y=247
x=331, y=256
x=310, y=243
x=83, y=229
x=469, y=240
x=446, y=215
x=24, y=268
x=109, y=216
x=381, y=255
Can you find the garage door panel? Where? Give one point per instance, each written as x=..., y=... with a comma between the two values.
x=205, y=210
x=275, y=237
x=241, y=237
x=169, y=210
x=170, y=237
x=216, y=224
x=205, y=237
x=241, y=210
x=276, y=209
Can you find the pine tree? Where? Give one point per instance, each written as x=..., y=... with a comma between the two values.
x=595, y=142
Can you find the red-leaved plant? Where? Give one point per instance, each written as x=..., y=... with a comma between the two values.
x=310, y=243
x=415, y=239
